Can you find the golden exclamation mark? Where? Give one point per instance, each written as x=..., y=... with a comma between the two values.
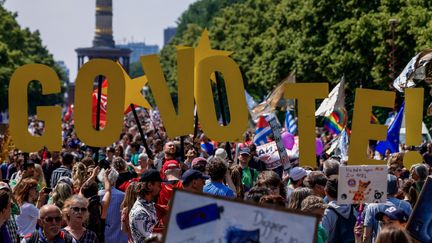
x=413, y=124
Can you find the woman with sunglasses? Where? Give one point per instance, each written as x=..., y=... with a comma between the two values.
x=76, y=215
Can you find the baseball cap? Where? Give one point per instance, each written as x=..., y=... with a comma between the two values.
x=169, y=165
x=150, y=176
x=297, y=173
x=191, y=175
x=392, y=187
x=221, y=153
x=393, y=213
x=197, y=160
x=245, y=150
x=4, y=185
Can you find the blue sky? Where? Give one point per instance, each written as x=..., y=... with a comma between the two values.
x=68, y=24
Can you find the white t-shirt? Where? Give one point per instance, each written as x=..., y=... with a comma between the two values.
x=27, y=220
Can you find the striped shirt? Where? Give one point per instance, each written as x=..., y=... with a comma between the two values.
x=59, y=172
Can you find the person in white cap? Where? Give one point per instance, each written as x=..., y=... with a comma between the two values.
x=296, y=176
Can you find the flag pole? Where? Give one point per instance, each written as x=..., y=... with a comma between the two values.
x=143, y=138
x=221, y=108
x=98, y=110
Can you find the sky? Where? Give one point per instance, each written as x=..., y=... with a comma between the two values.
x=65, y=25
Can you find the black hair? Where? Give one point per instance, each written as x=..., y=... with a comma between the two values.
x=331, y=187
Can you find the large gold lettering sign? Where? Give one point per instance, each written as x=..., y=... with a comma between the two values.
x=196, y=68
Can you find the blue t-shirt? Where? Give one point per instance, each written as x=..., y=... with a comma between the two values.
x=219, y=189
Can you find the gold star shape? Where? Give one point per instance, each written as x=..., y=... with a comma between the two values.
x=133, y=93
x=203, y=50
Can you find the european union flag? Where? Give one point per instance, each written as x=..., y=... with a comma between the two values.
x=392, y=142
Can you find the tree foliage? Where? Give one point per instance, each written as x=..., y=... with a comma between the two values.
x=320, y=40
x=18, y=47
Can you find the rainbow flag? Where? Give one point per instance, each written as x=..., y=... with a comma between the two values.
x=337, y=120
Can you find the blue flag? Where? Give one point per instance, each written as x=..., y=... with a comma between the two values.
x=392, y=142
x=290, y=123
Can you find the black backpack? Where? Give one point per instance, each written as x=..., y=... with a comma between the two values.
x=344, y=230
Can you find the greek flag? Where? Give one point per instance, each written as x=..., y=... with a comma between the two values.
x=290, y=123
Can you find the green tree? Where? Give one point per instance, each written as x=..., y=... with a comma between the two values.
x=18, y=47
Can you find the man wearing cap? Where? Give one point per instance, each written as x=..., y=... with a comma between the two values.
x=296, y=176
x=392, y=217
x=172, y=172
x=142, y=217
x=194, y=180
x=371, y=226
x=200, y=164
x=248, y=174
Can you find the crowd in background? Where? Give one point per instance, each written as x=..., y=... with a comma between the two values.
x=123, y=194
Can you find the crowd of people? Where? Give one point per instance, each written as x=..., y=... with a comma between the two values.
x=122, y=193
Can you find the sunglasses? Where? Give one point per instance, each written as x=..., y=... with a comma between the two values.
x=51, y=219
x=78, y=209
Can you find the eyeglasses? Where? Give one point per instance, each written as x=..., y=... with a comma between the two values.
x=78, y=209
x=51, y=219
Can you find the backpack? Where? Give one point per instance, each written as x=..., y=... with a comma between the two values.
x=35, y=237
x=344, y=230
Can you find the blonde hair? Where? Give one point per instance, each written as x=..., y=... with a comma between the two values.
x=61, y=192
x=131, y=195
x=41, y=178
x=68, y=203
x=79, y=175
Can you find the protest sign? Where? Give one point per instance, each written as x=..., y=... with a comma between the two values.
x=268, y=153
x=362, y=184
x=203, y=218
x=420, y=223
x=275, y=126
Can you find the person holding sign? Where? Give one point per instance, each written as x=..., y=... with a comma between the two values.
x=370, y=223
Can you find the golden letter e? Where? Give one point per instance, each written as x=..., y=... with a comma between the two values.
x=362, y=129
x=18, y=109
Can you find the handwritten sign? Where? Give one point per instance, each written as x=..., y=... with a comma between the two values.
x=362, y=184
x=202, y=218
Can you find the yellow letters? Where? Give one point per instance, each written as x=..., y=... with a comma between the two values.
x=413, y=124
x=235, y=95
x=176, y=123
x=18, y=109
x=306, y=94
x=362, y=129
x=83, y=102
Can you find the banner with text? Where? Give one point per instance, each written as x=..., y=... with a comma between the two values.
x=202, y=218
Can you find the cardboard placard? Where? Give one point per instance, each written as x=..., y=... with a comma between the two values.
x=269, y=154
x=203, y=218
x=362, y=184
x=420, y=222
